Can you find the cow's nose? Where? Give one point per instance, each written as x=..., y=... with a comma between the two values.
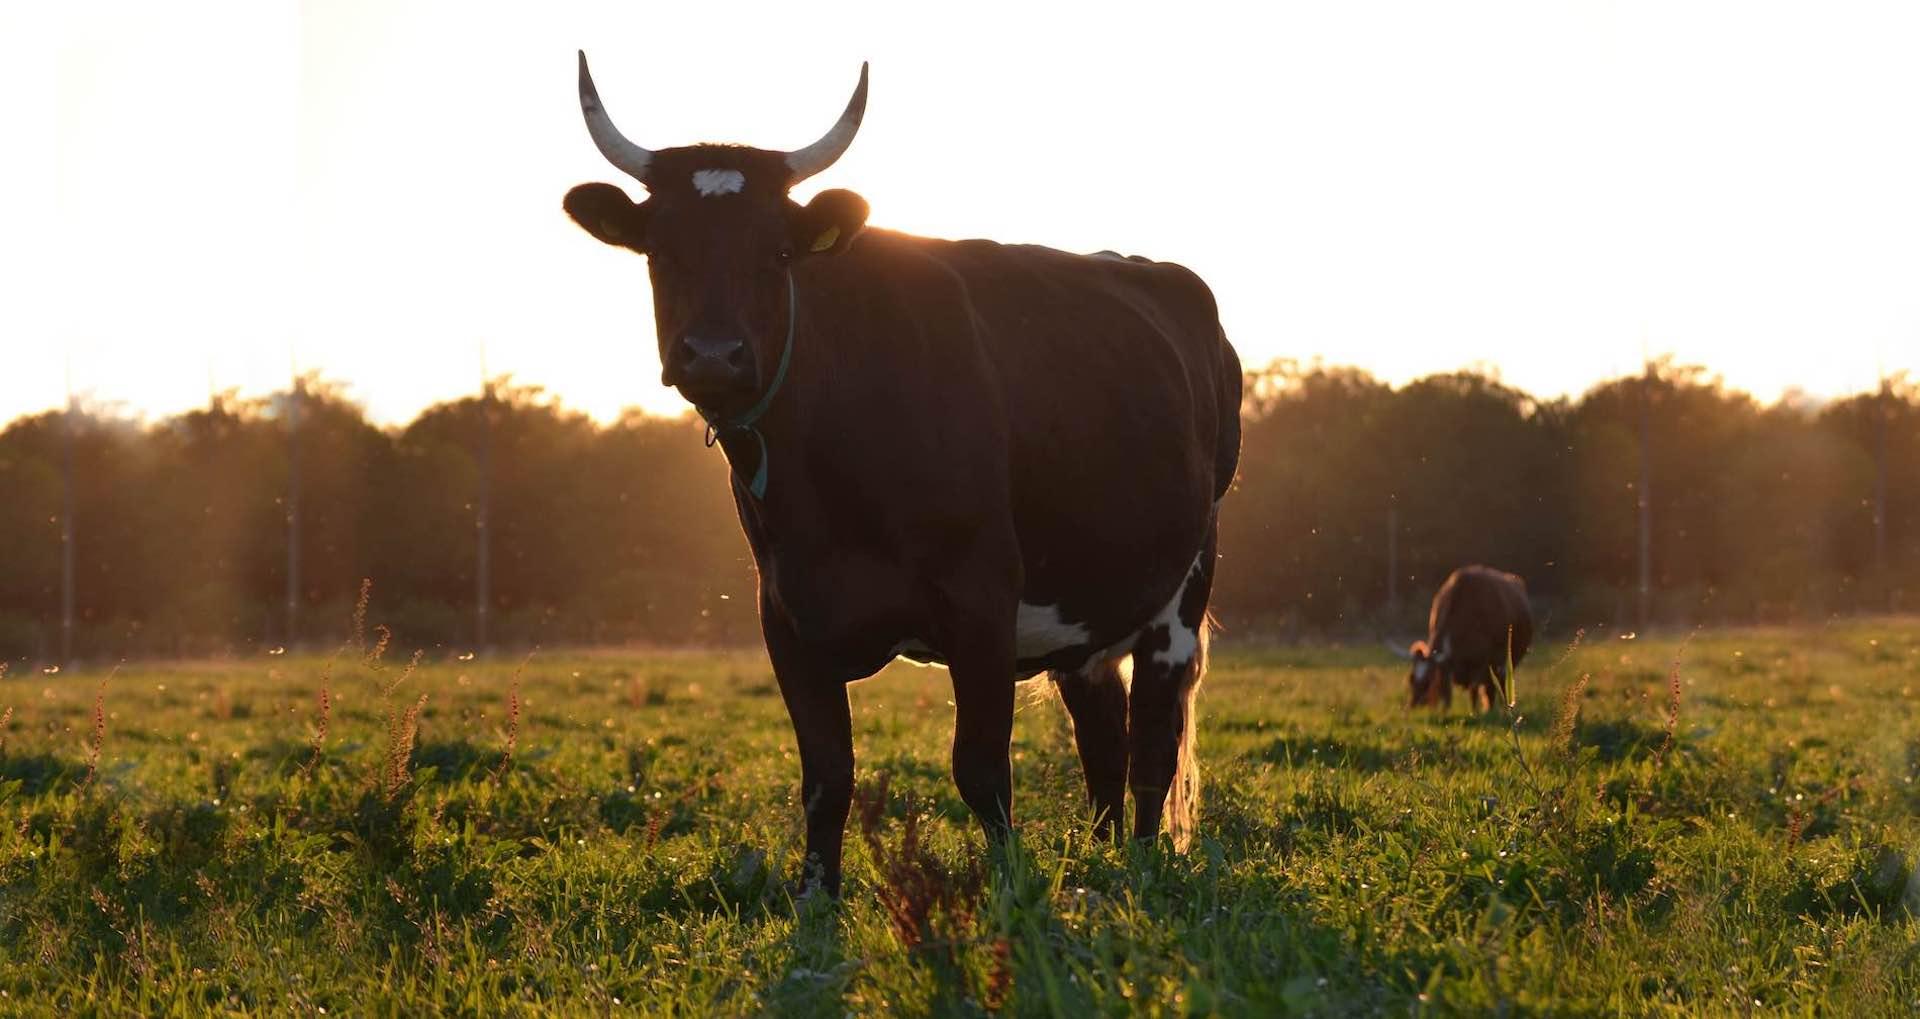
x=712, y=365
x=731, y=352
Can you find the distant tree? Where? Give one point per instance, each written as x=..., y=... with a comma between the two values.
x=1302, y=535
x=347, y=468
x=1473, y=469
x=1881, y=432
x=208, y=530
x=30, y=507
x=628, y=532
x=1697, y=429
x=114, y=524
x=677, y=567
x=1479, y=475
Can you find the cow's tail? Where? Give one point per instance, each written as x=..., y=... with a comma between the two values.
x=1183, y=798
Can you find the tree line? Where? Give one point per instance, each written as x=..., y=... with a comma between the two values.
x=508, y=519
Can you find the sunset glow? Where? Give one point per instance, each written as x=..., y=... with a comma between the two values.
x=202, y=198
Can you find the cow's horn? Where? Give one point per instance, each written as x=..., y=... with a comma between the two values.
x=623, y=154
x=1399, y=650
x=821, y=154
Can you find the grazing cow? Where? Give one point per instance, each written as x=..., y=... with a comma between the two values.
x=1480, y=624
x=1002, y=458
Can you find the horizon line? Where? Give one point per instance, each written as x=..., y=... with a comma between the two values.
x=118, y=409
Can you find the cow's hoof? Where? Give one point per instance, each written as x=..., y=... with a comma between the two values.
x=810, y=889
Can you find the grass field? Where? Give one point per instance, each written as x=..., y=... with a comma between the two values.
x=611, y=832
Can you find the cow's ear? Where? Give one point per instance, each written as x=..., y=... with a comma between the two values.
x=829, y=223
x=606, y=212
x=1419, y=652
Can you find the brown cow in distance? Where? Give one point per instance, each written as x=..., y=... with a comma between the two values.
x=1479, y=626
x=1002, y=458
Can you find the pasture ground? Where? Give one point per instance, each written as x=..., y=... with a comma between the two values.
x=613, y=838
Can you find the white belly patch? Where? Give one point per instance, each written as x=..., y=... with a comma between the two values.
x=1038, y=631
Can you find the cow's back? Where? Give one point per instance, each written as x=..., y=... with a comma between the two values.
x=1121, y=397
x=957, y=395
x=1472, y=614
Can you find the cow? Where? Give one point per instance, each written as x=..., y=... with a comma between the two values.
x=1478, y=629
x=1004, y=459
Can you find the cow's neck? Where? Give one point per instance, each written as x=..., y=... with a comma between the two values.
x=844, y=338
x=747, y=451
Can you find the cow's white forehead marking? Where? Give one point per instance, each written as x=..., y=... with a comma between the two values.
x=718, y=182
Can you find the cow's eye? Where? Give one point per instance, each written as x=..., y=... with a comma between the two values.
x=783, y=257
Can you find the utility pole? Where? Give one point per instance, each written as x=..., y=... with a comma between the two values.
x=1880, y=564
x=1645, y=492
x=293, y=508
x=483, y=513
x=1393, y=555
x=66, y=529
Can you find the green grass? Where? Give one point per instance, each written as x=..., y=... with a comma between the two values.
x=630, y=853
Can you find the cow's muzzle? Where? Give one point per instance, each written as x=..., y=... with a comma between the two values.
x=710, y=371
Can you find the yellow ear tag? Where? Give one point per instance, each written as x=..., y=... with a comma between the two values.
x=825, y=240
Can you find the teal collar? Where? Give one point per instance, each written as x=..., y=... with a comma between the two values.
x=747, y=421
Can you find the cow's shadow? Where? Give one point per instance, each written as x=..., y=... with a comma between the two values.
x=818, y=973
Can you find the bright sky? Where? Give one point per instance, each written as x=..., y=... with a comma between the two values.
x=200, y=195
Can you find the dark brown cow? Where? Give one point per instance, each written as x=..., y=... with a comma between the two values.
x=1475, y=615
x=1006, y=459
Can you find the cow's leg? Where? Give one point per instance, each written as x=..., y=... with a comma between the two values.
x=1096, y=698
x=817, y=704
x=982, y=667
x=1497, y=686
x=1169, y=658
